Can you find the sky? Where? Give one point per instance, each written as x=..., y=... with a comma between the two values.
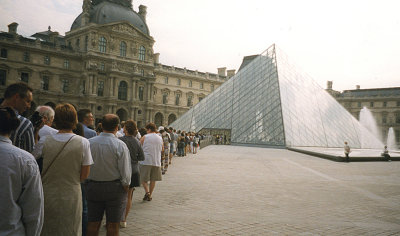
x=349, y=42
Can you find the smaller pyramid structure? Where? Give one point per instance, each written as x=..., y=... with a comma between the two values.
x=270, y=102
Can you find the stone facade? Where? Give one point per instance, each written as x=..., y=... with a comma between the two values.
x=106, y=67
x=384, y=103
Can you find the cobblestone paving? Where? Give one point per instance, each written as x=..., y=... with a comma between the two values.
x=231, y=190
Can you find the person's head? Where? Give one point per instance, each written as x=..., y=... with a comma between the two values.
x=162, y=131
x=151, y=128
x=8, y=121
x=110, y=123
x=18, y=96
x=130, y=128
x=99, y=128
x=79, y=130
x=345, y=143
x=142, y=131
x=85, y=116
x=47, y=114
x=385, y=146
x=65, y=117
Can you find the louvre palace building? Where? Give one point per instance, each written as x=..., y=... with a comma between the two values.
x=104, y=63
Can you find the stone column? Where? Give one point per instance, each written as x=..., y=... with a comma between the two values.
x=89, y=84
x=94, y=85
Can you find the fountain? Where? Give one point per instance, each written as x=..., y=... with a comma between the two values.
x=368, y=121
x=391, y=140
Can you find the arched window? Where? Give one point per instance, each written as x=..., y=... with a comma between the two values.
x=142, y=53
x=122, y=49
x=123, y=91
x=102, y=44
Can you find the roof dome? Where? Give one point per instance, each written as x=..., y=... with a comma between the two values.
x=108, y=12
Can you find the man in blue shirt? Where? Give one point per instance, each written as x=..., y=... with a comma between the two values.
x=85, y=117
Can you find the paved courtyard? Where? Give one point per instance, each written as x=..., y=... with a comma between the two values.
x=232, y=190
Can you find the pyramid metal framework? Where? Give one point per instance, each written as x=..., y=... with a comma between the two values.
x=272, y=103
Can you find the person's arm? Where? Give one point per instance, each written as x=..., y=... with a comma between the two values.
x=140, y=153
x=142, y=140
x=29, y=138
x=124, y=166
x=85, y=171
x=31, y=199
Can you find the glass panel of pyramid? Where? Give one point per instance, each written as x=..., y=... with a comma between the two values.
x=270, y=102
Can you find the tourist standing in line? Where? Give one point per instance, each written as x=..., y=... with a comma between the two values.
x=165, y=154
x=109, y=179
x=66, y=163
x=385, y=153
x=150, y=168
x=136, y=154
x=21, y=195
x=19, y=96
x=347, y=151
x=85, y=117
x=47, y=114
x=181, y=145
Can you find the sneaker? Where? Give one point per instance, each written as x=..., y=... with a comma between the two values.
x=122, y=224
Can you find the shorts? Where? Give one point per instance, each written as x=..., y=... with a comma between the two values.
x=109, y=197
x=150, y=173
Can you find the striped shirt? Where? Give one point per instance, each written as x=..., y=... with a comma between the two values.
x=23, y=136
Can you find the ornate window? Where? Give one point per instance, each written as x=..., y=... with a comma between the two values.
x=178, y=82
x=66, y=64
x=123, y=91
x=359, y=104
x=100, y=88
x=3, y=53
x=102, y=66
x=3, y=77
x=103, y=44
x=45, y=82
x=190, y=83
x=177, y=98
x=26, y=57
x=190, y=100
x=142, y=53
x=25, y=77
x=384, y=104
x=212, y=87
x=141, y=93
x=166, y=80
x=371, y=104
x=201, y=85
x=397, y=115
x=122, y=49
x=165, y=98
x=46, y=60
x=65, y=85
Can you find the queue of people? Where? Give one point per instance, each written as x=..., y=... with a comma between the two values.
x=61, y=176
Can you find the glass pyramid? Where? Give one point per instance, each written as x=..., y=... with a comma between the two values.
x=270, y=102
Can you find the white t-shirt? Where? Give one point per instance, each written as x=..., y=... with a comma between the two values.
x=87, y=155
x=152, y=147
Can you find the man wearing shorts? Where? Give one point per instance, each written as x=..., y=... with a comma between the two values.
x=109, y=178
x=150, y=168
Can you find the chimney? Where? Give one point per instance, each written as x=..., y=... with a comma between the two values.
x=157, y=58
x=329, y=85
x=143, y=12
x=357, y=87
x=12, y=28
x=222, y=71
x=231, y=73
